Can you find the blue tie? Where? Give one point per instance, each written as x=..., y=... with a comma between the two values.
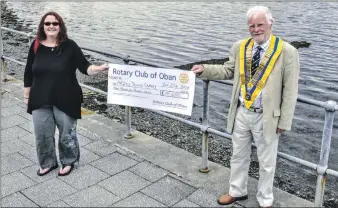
x=255, y=60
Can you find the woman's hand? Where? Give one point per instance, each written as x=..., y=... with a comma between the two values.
x=26, y=92
x=104, y=68
x=93, y=69
x=25, y=100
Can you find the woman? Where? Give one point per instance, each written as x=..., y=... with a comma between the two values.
x=52, y=93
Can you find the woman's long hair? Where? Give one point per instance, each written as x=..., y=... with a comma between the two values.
x=62, y=36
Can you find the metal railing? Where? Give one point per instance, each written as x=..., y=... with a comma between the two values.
x=329, y=106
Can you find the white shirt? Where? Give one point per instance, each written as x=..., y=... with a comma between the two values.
x=258, y=103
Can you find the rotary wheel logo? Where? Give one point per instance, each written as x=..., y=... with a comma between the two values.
x=184, y=78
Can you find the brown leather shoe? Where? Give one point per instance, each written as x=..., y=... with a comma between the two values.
x=228, y=199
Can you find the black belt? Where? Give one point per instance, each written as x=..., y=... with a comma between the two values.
x=256, y=110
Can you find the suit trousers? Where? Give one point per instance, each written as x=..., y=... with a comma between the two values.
x=45, y=120
x=248, y=127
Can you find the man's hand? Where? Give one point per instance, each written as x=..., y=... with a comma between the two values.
x=280, y=131
x=197, y=69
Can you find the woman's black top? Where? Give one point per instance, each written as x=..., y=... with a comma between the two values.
x=51, y=75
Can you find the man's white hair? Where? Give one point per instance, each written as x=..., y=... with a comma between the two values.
x=257, y=9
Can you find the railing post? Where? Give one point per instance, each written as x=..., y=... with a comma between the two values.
x=3, y=69
x=29, y=39
x=3, y=66
x=127, y=113
x=324, y=152
x=205, y=126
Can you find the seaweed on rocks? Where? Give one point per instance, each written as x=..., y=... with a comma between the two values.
x=210, y=61
x=300, y=44
x=296, y=44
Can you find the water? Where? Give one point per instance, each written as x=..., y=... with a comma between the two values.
x=173, y=34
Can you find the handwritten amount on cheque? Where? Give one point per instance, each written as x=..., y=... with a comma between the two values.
x=167, y=89
x=118, y=82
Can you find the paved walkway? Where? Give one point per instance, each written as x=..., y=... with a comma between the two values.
x=113, y=171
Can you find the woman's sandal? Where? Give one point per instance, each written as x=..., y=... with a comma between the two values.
x=50, y=169
x=66, y=173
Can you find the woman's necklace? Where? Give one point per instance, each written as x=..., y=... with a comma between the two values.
x=54, y=47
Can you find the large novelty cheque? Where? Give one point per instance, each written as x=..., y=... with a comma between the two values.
x=153, y=88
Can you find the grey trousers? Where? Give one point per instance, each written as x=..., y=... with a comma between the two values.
x=45, y=119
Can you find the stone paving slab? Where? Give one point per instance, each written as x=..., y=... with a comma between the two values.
x=87, y=156
x=124, y=184
x=26, y=115
x=12, y=110
x=93, y=196
x=18, y=93
x=28, y=126
x=114, y=163
x=168, y=191
x=11, y=121
x=49, y=191
x=23, y=105
x=7, y=102
x=185, y=203
x=28, y=139
x=14, y=182
x=219, y=185
x=291, y=200
x=205, y=198
x=138, y=200
x=17, y=200
x=84, y=176
x=251, y=201
x=128, y=153
x=109, y=131
x=58, y=204
x=31, y=173
x=149, y=171
x=13, y=163
x=13, y=133
x=101, y=147
x=83, y=140
x=13, y=87
x=30, y=153
x=170, y=157
x=86, y=133
x=12, y=146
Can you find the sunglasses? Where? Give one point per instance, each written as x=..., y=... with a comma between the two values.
x=51, y=23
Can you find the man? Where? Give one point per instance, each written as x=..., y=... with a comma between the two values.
x=265, y=71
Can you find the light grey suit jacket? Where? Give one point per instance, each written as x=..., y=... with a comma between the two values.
x=279, y=94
